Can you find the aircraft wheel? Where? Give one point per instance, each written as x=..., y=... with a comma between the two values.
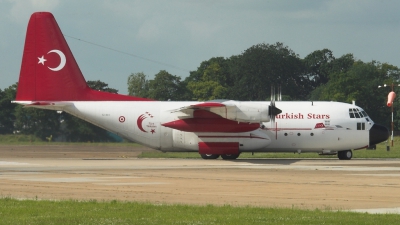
x=230, y=156
x=209, y=156
x=345, y=155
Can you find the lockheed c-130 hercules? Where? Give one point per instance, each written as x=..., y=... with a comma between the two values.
x=51, y=79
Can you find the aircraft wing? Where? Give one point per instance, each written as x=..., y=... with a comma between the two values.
x=225, y=117
x=249, y=112
x=217, y=108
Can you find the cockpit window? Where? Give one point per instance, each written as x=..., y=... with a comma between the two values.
x=364, y=113
x=356, y=113
x=351, y=113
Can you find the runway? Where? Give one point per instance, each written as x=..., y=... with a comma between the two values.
x=307, y=184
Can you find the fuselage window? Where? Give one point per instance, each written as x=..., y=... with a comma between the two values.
x=360, y=126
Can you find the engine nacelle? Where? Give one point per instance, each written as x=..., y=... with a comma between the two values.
x=250, y=112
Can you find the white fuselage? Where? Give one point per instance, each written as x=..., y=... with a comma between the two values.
x=301, y=127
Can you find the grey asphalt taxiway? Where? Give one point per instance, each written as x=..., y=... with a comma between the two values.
x=357, y=185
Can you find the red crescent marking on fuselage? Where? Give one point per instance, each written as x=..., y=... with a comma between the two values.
x=140, y=121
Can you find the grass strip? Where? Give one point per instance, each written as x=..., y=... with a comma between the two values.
x=14, y=211
x=380, y=152
x=21, y=139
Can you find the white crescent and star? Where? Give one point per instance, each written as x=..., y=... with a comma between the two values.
x=63, y=60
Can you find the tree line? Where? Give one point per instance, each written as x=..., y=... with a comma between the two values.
x=48, y=124
x=319, y=76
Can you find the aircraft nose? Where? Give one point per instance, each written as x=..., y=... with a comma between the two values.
x=377, y=134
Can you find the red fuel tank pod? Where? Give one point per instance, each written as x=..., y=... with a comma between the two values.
x=391, y=97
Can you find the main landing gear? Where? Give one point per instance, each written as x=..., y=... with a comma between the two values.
x=209, y=156
x=345, y=155
x=215, y=156
x=230, y=156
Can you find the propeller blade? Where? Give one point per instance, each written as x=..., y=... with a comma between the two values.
x=272, y=95
x=280, y=93
x=273, y=110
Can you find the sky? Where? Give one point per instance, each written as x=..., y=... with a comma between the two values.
x=177, y=35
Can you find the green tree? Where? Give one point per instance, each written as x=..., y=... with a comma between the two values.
x=360, y=83
x=211, y=80
x=318, y=66
x=165, y=86
x=39, y=122
x=101, y=86
x=7, y=109
x=138, y=85
x=263, y=65
x=43, y=123
x=78, y=130
x=322, y=67
x=216, y=68
x=392, y=76
x=343, y=64
x=207, y=90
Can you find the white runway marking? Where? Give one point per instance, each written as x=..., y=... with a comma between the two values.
x=69, y=179
x=63, y=180
x=129, y=184
x=377, y=211
x=377, y=175
x=5, y=163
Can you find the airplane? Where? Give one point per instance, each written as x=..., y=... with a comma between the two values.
x=51, y=79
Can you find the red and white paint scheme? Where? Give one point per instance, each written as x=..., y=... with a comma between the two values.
x=51, y=79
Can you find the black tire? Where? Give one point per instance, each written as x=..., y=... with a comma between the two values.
x=209, y=156
x=345, y=155
x=230, y=156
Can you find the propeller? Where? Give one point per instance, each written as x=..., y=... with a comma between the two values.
x=272, y=109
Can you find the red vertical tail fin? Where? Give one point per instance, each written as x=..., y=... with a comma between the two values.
x=49, y=71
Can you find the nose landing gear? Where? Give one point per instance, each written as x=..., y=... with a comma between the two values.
x=345, y=155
